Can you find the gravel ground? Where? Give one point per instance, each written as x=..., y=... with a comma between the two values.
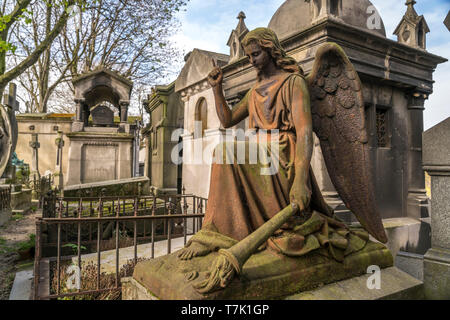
x=12, y=234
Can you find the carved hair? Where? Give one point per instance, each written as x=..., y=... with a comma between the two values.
x=268, y=41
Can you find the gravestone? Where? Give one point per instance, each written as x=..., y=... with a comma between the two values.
x=102, y=116
x=59, y=177
x=35, y=145
x=436, y=161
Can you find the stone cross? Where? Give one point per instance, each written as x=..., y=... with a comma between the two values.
x=59, y=182
x=35, y=145
x=9, y=99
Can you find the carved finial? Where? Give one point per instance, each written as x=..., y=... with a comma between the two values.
x=241, y=27
x=413, y=28
x=236, y=36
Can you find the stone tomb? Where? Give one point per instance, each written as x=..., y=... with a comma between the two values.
x=100, y=150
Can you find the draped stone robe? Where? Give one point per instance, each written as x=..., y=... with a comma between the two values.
x=242, y=198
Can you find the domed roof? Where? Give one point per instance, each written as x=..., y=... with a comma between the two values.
x=296, y=15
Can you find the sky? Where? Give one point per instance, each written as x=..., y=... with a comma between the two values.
x=207, y=24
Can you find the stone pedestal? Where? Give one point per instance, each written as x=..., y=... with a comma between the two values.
x=436, y=161
x=21, y=201
x=394, y=285
x=99, y=155
x=5, y=204
x=266, y=275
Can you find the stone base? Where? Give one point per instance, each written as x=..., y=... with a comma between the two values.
x=266, y=275
x=395, y=285
x=77, y=126
x=21, y=200
x=5, y=215
x=410, y=263
x=407, y=234
x=436, y=269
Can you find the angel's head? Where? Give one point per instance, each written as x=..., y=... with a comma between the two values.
x=268, y=41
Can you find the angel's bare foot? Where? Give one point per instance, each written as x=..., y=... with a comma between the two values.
x=195, y=249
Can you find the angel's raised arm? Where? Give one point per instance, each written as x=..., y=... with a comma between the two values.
x=227, y=117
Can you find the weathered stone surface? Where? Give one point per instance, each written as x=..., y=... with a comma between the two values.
x=265, y=275
x=21, y=289
x=102, y=115
x=133, y=290
x=440, y=211
x=294, y=16
x=21, y=200
x=394, y=284
x=437, y=274
x=437, y=163
x=129, y=186
x=95, y=157
x=436, y=149
x=5, y=215
x=410, y=263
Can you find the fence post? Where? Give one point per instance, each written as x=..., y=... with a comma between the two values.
x=37, y=259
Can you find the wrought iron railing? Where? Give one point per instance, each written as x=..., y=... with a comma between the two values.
x=41, y=186
x=71, y=225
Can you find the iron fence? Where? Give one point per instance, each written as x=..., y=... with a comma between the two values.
x=41, y=185
x=79, y=224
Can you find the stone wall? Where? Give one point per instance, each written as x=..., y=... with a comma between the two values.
x=47, y=127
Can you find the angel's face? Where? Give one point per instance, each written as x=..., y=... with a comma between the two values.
x=259, y=58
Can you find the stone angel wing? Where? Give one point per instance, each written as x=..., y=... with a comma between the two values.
x=6, y=139
x=337, y=108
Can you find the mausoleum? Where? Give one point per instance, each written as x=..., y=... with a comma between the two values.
x=397, y=78
x=99, y=148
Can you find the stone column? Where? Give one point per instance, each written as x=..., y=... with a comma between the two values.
x=78, y=124
x=34, y=170
x=59, y=178
x=436, y=161
x=124, y=126
x=417, y=197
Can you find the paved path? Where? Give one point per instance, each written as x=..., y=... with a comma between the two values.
x=11, y=234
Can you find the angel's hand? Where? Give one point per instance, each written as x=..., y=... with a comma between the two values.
x=300, y=195
x=215, y=77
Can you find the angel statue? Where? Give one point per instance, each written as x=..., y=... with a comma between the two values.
x=285, y=212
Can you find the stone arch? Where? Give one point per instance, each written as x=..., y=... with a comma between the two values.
x=201, y=113
x=101, y=85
